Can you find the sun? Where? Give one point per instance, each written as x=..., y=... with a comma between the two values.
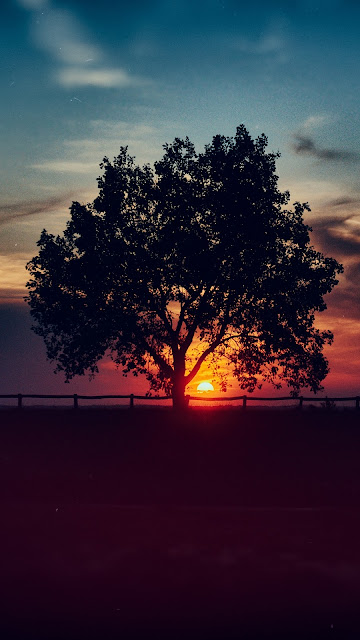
x=205, y=386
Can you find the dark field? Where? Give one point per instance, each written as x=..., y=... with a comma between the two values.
x=217, y=524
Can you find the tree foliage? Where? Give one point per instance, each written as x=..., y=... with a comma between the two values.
x=199, y=258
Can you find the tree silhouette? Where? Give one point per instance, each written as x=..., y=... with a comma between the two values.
x=197, y=259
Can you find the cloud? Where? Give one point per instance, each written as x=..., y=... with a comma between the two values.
x=338, y=236
x=343, y=201
x=318, y=192
x=102, y=77
x=14, y=211
x=345, y=302
x=59, y=34
x=317, y=120
x=82, y=156
x=353, y=275
x=65, y=166
x=305, y=145
x=271, y=44
x=121, y=129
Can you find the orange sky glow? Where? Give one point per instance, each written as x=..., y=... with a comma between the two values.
x=79, y=83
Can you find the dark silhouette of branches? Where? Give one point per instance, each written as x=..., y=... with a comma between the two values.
x=197, y=259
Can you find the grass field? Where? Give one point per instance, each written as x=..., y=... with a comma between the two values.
x=219, y=523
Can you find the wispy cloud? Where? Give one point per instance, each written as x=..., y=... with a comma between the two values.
x=122, y=130
x=305, y=145
x=338, y=236
x=105, y=78
x=58, y=33
x=344, y=201
x=83, y=155
x=318, y=192
x=272, y=44
x=17, y=210
x=352, y=274
x=65, y=166
x=316, y=120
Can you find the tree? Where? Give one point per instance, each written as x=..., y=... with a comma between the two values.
x=196, y=259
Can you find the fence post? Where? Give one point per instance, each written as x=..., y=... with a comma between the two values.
x=131, y=400
x=244, y=403
x=357, y=403
x=19, y=401
x=76, y=403
x=301, y=400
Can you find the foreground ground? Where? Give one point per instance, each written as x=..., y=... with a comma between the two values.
x=216, y=524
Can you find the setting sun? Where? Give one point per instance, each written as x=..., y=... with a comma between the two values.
x=205, y=386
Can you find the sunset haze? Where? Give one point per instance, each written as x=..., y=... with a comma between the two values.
x=80, y=79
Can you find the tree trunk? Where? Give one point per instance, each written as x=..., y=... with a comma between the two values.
x=179, y=399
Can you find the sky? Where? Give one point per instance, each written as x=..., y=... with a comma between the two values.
x=80, y=79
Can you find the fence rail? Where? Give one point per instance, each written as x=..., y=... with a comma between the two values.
x=132, y=397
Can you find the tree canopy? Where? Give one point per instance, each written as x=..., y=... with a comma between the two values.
x=197, y=258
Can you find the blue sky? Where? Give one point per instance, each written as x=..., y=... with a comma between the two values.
x=81, y=78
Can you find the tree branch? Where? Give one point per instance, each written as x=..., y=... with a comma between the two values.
x=181, y=317
x=218, y=340
x=196, y=367
x=158, y=359
x=231, y=338
x=162, y=313
x=190, y=335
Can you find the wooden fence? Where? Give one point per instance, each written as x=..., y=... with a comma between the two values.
x=327, y=402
